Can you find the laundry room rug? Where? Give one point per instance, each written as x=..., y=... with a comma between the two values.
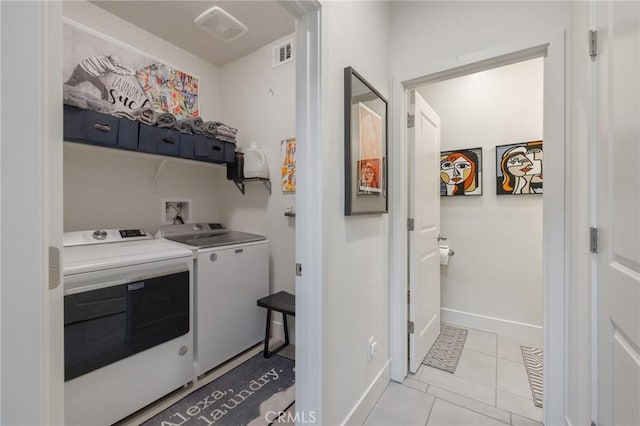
x=446, y=350
x=250, y=394
x=533, y=363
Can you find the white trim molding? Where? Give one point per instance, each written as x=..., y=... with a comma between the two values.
x=517, y=330
x=367, y=401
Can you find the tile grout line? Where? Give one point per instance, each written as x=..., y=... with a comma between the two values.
x=474, y=410
x=430, y=411
x=376, y=403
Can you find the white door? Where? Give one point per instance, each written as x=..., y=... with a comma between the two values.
x=618, y=212
x=424, y=209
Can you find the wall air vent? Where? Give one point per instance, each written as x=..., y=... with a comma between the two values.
x=282, y=53
x=220, y=24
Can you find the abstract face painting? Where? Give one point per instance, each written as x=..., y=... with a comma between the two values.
x=369, y=176
x=519, y=168
x=460, y=172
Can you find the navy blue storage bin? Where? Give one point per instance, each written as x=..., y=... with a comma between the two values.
x=90, y=127
x=128, y=134
x=186, y=146
x=229, y=152
x=157, y=140
x=207, y=149
x=101, y=129
x=94, y=128
x=73, y=124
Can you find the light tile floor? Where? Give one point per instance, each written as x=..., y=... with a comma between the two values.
x=489, y=388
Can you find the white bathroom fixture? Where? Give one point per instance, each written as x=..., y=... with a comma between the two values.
x=221, y=24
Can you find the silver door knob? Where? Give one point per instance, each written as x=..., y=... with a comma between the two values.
x=442, y=238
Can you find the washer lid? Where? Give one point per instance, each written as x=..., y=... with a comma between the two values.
x=97, y=257
x=216, y=240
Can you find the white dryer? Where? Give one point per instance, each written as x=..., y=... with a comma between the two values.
x=231, y=274
x=127, y=323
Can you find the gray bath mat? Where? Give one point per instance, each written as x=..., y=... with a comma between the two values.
x=533, y=362
x=250, y=394
x=446, y=350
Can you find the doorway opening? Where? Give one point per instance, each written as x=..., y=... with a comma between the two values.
x=550, y=48
x=307, y=32
x=490, y=237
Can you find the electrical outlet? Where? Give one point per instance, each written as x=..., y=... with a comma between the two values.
x=372, y=348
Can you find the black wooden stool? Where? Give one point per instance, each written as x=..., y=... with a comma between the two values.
x=280, y=302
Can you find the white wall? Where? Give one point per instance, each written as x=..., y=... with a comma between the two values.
x=355, y=249
x=437, y=32
x=497, y=239
x=23, y=240
x=110, y=189
x=260, y=101
x=31, y=161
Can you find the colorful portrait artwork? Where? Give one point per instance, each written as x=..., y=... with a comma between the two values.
x=369, y=176
x=461, y=172
x=519, y=168
x=288, y=169
x=170, y=90
x=369, y=168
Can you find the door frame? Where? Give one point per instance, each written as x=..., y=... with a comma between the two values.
x=552, y=46
x=308, y=238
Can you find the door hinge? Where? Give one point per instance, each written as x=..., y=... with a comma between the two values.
x=411, y=327
x=408, y=297
x=298, y=269
x=411, y=121
x=411, y=224
x=593, y=240
x=593, y=43
x=54, y=267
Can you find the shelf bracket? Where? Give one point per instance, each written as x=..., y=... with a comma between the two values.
x=156, y=176
x=239, y=183
x=267, y=183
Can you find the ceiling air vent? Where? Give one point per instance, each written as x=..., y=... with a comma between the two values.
x=220, y=24
x=282, y=53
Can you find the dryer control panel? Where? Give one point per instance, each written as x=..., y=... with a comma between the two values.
x=103, y=236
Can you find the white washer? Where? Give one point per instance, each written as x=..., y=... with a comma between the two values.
x=231, y=274
x=128, y=323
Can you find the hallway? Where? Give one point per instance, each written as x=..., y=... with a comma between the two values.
x=490, y=387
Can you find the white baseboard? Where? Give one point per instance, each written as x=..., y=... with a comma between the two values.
x=277, y=330
x=367, y=401
x=517, y=330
